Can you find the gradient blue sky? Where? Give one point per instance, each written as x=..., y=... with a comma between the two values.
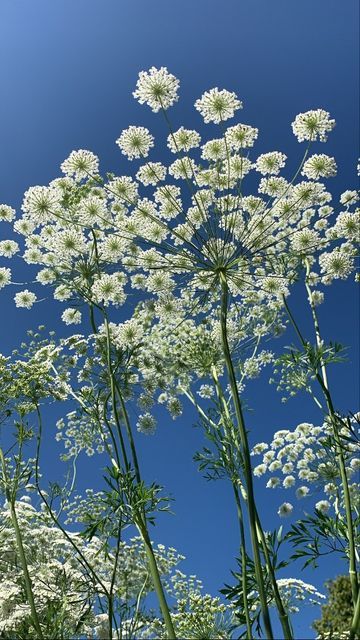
x=68, y=68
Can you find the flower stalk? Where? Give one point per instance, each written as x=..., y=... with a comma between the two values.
x=246, y=457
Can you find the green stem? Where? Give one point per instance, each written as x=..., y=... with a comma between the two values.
x=246, y=458
x=243, y=560
x=141, y=520
x=155, y=575
x=355, y=624
x=283, y=615
x=323, y=382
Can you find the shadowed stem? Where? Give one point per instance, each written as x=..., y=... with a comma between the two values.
x=246, y=457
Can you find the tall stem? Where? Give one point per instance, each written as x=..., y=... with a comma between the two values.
x=243, y=559
x=323, y=382
x=283, y=615
x=246, y=458
x=141, y=518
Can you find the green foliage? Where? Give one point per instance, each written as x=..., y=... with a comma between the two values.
x=336, y=615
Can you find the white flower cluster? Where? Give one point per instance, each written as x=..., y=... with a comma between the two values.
x=303, y=455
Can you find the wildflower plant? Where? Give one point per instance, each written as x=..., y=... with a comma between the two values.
x=174, y=277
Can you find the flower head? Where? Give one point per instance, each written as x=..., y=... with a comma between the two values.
x=135, y=142
x=312, y=125
x=285, y=509
x=80, y=163
x=25, y=299
x=217, y=106
x=319, y=166
x=157, y=88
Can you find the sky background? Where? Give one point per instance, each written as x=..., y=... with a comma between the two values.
x=67, y=72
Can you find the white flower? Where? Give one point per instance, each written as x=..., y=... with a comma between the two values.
x=336, y=264
x=7, y=214
x=288, y=482
x=323, y=506
x=41, y=203
x=305, y=241
x=146, y=424
x=301, y=492
x=8, y=248
x=151, y=173
x=312, y=125
x=157, y=88
x=272, y=483
x=217, y=106
x=260, y=470
x=183, y=140
x=270, y=163
x=25, y=299
x=349, y=197
x=71, y=316
x=135, y=142
x=241, y=136
x=285, y=509
x=80, y=164
x=317, y=297
x=319, y=166
x=5, y=276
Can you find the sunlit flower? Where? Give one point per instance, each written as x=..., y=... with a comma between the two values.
x=183, y=140
x=312, y=125
x=80, y=164
x=5, y=276
x=135, y=142
x=25, y=299
x=71, y=316
x=319, y=166
x=285, y=509
x=157, y=88
x=217, y=105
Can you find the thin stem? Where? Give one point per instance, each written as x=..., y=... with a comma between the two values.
x=243, y=559
x=246, y=458
x=283, y=615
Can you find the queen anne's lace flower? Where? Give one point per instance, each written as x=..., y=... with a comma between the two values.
x=151, y=173
x=319, y=166
x=285, y=509
x=217, y=105
x=157, y=88
x=25, y=299
x=7, y=214
x=8, y=248
x=135, y=142
x=312, y=125
x=71, y=316
x=146, y=424
x=270, y=163
x=241, y=136
x=183, y=140
x=336, y=264
x=80, y=164
x=323, y=506
x=5, y=276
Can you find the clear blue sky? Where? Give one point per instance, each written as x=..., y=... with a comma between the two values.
x=68, y=68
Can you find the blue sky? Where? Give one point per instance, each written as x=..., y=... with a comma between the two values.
x=68, y=69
